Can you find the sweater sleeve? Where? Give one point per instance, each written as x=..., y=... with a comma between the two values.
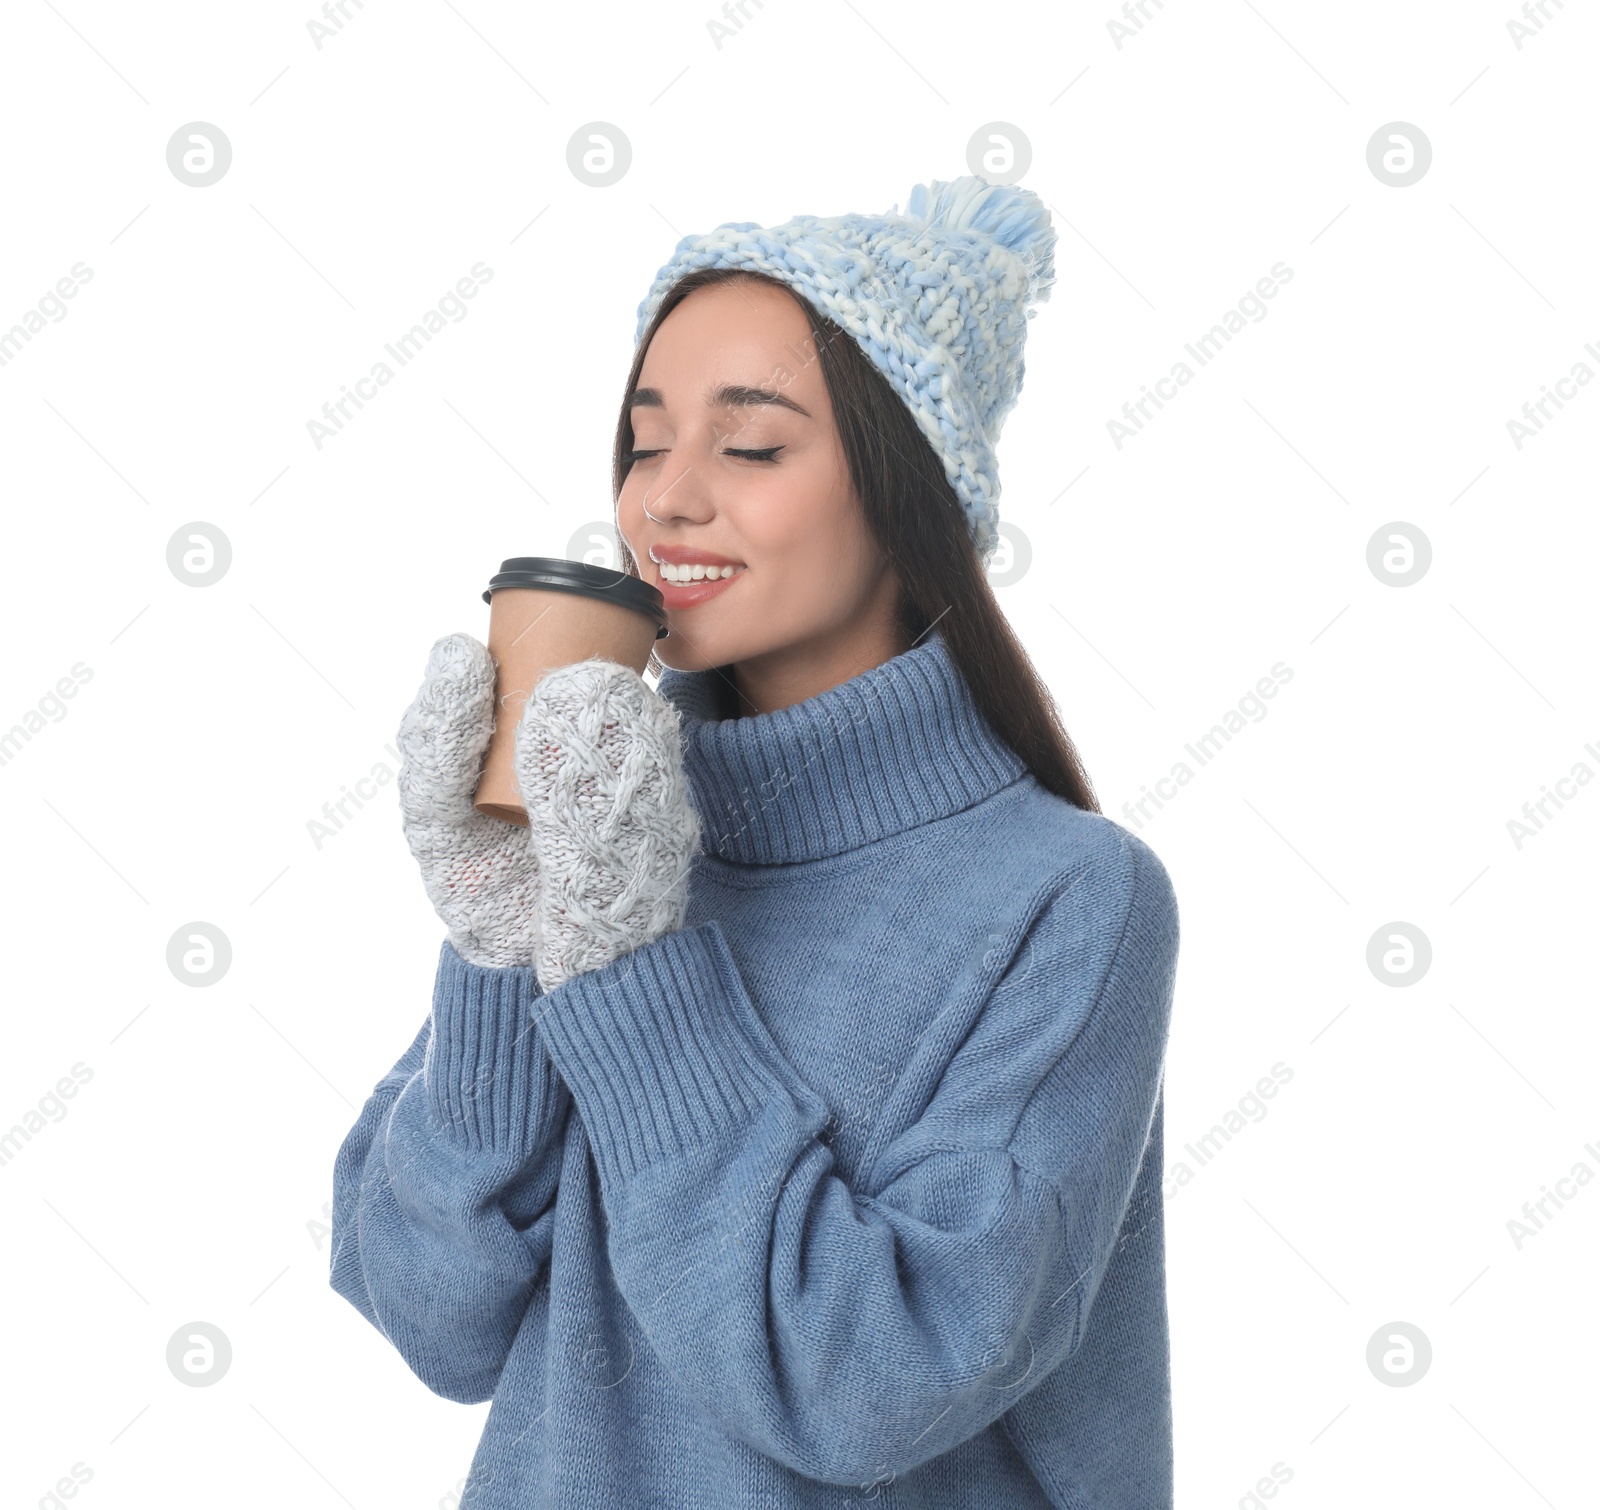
x=854, y=1332
x=444, y=1190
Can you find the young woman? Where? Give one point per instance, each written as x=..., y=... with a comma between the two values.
x=787, y=1127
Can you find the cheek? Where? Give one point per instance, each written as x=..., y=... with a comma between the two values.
x=811, y=589
x=806, y=506
x=812, y=549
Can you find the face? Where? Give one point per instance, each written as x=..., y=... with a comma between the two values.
x=737, y=455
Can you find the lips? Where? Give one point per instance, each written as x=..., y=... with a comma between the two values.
x=688, y=592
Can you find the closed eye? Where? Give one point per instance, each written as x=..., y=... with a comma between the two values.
x=767, y=453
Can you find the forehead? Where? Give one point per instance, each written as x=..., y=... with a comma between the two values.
x=727, y=339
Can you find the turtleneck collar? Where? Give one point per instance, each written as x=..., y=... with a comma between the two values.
x=897, y=746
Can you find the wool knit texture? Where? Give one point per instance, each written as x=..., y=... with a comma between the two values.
x=939, y=299
x=847, y=1190
x=599, y=764
x=480, y=873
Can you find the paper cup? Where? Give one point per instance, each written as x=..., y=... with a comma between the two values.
x=546, y=612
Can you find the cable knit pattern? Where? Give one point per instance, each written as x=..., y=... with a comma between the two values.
x=847, y=1191
x=479, y=872
x=601, y=770
x=939, y=299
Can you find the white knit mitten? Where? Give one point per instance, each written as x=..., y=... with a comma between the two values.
x=600, y=764
x=480, y=873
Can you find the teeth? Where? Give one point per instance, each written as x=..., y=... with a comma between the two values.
x=696, y=573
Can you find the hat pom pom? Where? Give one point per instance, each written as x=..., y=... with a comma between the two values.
x=1015, y=217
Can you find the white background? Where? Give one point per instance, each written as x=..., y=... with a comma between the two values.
x=187, y=1178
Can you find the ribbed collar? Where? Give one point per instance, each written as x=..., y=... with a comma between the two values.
x=897, y=746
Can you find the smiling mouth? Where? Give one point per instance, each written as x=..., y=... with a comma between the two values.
x=693, y=578
x=684, y=565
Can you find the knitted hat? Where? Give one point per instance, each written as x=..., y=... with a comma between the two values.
x=938, y=298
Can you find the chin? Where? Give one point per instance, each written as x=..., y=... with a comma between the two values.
x=713, y=641
x=686, y=653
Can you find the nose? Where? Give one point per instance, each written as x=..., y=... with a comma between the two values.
x=678, y=496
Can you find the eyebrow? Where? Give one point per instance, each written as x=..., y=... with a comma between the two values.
x=727, y=396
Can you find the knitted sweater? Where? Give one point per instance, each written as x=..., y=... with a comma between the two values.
x=849, y=1190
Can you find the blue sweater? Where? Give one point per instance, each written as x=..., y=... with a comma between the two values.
x=849, y=1190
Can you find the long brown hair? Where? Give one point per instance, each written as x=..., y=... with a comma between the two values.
x=915, y=516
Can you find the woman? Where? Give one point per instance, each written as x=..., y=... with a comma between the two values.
x=786, y=1130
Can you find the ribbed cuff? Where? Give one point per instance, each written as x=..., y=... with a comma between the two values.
x=662, y=1050
x=489, y=1078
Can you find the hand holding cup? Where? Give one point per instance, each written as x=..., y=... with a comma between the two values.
x=480, y=873
x=551, y=721
x=600, y=761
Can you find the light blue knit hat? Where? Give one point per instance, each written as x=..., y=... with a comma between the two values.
x=938, y=298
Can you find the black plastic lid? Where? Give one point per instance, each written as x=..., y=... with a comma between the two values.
x=560, y=575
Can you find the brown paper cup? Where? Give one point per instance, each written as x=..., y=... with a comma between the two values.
x=535, y=628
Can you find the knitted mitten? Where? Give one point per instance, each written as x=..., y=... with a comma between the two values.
x=600, y=764
x=480, y=873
